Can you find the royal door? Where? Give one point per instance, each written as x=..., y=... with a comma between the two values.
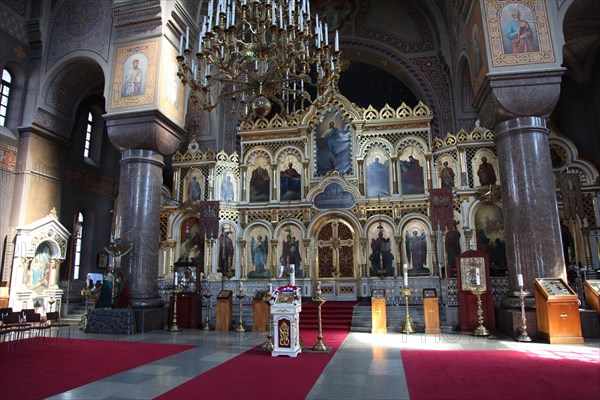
x=336, y=268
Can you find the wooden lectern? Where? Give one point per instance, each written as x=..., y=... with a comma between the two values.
x=224, y=310
x=431, y=311
x=260, y=312
x=592, y=294
x=557, y=311
x=378, y=312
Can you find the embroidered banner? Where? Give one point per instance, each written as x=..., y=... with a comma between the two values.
x=441, y=208
x=570, y=189
x=209, y=218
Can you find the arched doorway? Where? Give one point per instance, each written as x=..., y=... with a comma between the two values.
x=336, y=243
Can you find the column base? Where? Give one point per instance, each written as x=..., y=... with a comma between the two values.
x=148, y=319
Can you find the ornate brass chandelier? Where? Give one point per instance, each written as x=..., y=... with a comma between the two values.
x=260, y=53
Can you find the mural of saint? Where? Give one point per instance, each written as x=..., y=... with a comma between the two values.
x=412, y=176
x=290, y=182
x=259, y=247
x=452, y=244
x=189, y=238
x=194, y=191
x=260, y=182
x=333, y=146
x=225, y=258
x=381, y=255
x=133, y=79
x=416, y=252
x=378, y=178
x=37, y=278
x=486, y=173
x=226, y=187
x=518, y=29
x=290, y=254
x=489, y=225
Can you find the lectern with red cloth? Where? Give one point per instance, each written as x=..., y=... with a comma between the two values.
x=473, y=272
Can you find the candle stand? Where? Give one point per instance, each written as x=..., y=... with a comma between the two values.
x=408, y=326
x=206, y=325
x=523, y=337
x=268, y=345
x=84, y=318
x=320, y=345
x=174, y=327
x=240, y=296
x=480, y=330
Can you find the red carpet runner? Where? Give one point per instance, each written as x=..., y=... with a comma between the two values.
x=257, y=375
x=33, y=371
x=502, y=374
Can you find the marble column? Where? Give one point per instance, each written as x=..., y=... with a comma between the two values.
x=531, y=223
x=139, y=194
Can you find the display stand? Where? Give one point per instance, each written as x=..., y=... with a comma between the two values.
x=557, y=311
x=286, y=305
x=378, y=312
x=592, y=294
x=260, y=312
x=474, y=275
x=431, y=311
x=187, y=289
x=224, y=311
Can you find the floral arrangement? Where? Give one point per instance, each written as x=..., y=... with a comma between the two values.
x=289, y=290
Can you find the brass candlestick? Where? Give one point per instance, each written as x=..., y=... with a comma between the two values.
x=523, y=337
x=51, y=302
x=480, y=330
x=408, y=326
x=206, y=326
x=268, y=345
x=84, y=318
x=320, y=345
x=240, y=296
x=174, y=327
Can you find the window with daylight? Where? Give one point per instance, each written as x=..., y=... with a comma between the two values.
x=4, y=93
x=88, y=135
x=77, y=260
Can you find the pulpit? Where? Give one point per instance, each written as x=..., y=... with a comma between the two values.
x=431, y=311
x=286, y=304
x=260, y=312
x=557, y=311
x=224, y=310
x=473, y=274
x=378, y=312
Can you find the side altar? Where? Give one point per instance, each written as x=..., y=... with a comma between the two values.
x=286, y=304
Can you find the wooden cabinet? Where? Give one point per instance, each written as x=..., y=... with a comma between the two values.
x=592, y=294
x=557, y=311
x=224, y=310
x=378, y=315
x=189, y=310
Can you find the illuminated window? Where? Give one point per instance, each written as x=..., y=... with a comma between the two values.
x=4, y=93
x=88, y=135
x=77, y=260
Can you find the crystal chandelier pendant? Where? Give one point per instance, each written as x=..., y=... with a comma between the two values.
x=268, y=54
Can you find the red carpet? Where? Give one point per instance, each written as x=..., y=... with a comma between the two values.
x=256, y=374
x=335, y=316
x=33, y=371
x=502, y=374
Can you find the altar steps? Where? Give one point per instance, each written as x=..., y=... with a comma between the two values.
x=335, y=316
x=395, y=315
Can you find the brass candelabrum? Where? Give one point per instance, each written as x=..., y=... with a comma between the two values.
x=268, y=345
x=320, y=345
x=174, y=327
x=51, y=302
x=523, y=337
x=408, y=326
x=206, y=325
x=240, y=296
x=84, y=319
x=480, y=330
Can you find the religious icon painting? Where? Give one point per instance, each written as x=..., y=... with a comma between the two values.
x=260, y=180
x=227, y=186
x=412, y=172
x=290, y=179
x=193, y=185
x=447, y=173
x=290, y=248
x=485, y=168
x=190, y=245
x=381, y=249
x=333, y=144
x=416, y=241
x=259, y=249
x=377, y=173
x=489, y=235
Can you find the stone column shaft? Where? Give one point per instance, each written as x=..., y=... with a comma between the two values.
x=533, y=241
x=139, y=194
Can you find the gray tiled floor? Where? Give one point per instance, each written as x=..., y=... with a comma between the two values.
x=364, y=367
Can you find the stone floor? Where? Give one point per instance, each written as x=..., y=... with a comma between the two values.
x=366, y=366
